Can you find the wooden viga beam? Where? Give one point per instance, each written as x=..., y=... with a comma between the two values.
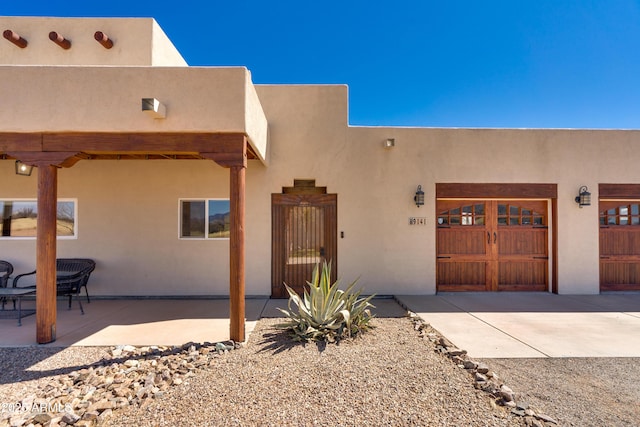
x=59, y=39
x=15, y=38
x=103, y=39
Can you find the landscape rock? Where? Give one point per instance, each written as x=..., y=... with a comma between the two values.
x=87, y=397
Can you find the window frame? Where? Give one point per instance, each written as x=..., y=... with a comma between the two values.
x=74, y=236
x=206, y=201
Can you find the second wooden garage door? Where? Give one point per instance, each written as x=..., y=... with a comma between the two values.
x=492, y=245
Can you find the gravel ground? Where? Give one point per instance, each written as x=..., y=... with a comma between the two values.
x=577, y=391
x=389, y=376
x=386, y=377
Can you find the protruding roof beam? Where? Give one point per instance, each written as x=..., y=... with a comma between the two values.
x=15, y=38
x=103, y=39
x=59, y=39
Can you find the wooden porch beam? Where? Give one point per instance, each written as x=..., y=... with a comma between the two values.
x=46, y=253
x=13, y=141
x=141, y=142
x=38, y=158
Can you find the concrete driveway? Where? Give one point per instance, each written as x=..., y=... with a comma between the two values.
x=534, y=325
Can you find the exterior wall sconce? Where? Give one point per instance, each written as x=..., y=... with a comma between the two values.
x=419, y=197
x=584, y=197
x=154, y=108
x=389, y=143
x=22, y=169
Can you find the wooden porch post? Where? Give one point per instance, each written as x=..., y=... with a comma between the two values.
x=232, y=153
x=46, y=254
x=236, y=249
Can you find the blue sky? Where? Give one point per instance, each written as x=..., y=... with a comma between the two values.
x=445, y=63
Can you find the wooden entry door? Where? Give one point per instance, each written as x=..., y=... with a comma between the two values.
x=304, y=233
x=492, y=245
x=619, y=245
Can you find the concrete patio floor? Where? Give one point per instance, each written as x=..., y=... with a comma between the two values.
x=487, y=325
x=141, y=322
x=133, y=321
x=534, y=325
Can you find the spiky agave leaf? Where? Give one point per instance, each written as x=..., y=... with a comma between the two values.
x=325, y=312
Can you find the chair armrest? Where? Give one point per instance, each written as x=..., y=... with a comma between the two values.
x=19, y=276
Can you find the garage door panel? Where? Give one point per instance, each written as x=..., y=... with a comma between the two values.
x=619, y=275
x=619, y=240
x=456, y=241
x=522, y=241
x=462, y=276
x=525, y=275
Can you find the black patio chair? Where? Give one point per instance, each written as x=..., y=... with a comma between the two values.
x=72, y=275
x=6, y=269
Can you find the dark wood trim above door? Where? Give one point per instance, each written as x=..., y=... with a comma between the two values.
x=496, y=191
x=619, y=191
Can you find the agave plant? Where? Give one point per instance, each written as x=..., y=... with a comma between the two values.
x=325, y=312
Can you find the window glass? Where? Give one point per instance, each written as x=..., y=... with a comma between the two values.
x=219, y=219
x=19, y=219
x=204, y=219
x=192, y=215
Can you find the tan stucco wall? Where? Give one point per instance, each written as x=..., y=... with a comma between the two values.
x=108, y=99
x=310, y=138
x=136, y=41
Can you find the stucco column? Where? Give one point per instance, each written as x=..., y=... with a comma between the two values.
x=46, y=254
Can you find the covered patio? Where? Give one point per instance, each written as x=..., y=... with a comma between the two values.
x=224, y=123
x=138, y=322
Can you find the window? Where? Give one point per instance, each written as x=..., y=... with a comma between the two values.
x=204, y=219
x=463, y=215
x=20, y=219
x=626, y=214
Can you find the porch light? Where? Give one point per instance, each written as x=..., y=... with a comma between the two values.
x=389, y=143
x=419, y=197
x=154, y=108
x=22, y=169
x=584, y=197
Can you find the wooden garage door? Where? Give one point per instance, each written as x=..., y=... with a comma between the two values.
x=619, y=245
x=492, y=245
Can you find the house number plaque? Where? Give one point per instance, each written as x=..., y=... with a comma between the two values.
x=417, y=221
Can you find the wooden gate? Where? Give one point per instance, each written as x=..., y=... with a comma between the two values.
x=492, y=245
x=304, y=233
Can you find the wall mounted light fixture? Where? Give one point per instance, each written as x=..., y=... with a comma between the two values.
x=584, y=197
x=389, y=143
x=22, y=169
x=419, y=197
x=154, y=108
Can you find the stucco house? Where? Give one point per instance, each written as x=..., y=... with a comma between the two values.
x=193, y=181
